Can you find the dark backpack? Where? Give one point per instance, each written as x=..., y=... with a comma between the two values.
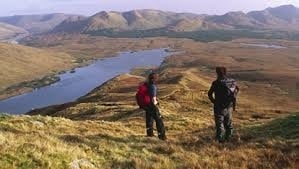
x=142, y=96
x=228, y=90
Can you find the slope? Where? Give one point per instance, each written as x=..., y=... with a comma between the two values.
x=9, y=31
x=36, y=23
x=19, y=63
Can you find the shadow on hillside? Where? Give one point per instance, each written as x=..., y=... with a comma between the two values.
x=283, y=128
x=10, y=129
x=7, y=127
x=51, y=110
x=136, y=142
x=106, y=115
x=286, y=128
x=124, y=115
x=204, y=137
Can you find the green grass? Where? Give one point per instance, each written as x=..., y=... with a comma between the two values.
x=47, y=142
x=282, y=128
x=36, y=84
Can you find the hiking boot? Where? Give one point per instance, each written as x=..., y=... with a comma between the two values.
x=228, y=135
x=150, y=135
x=220, y=139
x=164, y=138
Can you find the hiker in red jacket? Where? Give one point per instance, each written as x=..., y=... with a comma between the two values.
x=147, y=100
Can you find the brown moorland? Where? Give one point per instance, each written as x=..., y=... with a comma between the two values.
x=19, y=63
x=266, y=133
x=50, y=55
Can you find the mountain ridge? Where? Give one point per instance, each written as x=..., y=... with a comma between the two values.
x=39, y=23
x=8, y=31
x=284, y=17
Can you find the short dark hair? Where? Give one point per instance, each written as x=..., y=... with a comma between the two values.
x=152, y=77
x=221, y=71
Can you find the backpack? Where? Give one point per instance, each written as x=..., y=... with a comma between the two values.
x=142, y=96
x=229, y=91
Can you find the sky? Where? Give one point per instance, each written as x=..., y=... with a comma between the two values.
x=89, y=7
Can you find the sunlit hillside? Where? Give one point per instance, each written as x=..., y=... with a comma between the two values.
x=19, y=63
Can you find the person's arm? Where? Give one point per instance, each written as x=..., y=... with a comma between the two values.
x=155, y=100
x=235, y=100
x=153, y=94
x=210, y=93
x=237, y=89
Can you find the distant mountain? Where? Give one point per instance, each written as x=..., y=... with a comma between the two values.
x=135, y=20
x=36, y=23
x=235, y=20
x=280, y=18
x=9, y=31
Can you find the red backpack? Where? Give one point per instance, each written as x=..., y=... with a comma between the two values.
x=142, y=96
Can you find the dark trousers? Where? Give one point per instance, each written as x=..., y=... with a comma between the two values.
x=223, y=121
x=153, y=113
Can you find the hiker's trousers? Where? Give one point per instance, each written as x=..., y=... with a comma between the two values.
x=223, y=122
x=153, y=113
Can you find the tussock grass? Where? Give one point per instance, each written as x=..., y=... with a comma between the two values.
x=47, y=142
x=104, y=129
x=188, y=116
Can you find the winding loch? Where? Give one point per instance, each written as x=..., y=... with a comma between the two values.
x=81, y=81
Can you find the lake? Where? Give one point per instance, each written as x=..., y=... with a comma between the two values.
x=77, y=84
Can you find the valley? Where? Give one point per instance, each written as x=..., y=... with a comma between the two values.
x=77, y=51
x=105, y=128
x=251, y=64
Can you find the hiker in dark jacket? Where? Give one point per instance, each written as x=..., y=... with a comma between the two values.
x=152, y=111
x=224, y=100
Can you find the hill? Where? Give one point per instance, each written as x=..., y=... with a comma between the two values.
x=236, y=20
x=107, y=124
x=104, y=129
x=46, y=142
x=36, y=23
x=74, y=50
x=19, y=63
x=9, y=31
x=134, y=20
x=283, y=17
x=237, y=55
x=279, y=18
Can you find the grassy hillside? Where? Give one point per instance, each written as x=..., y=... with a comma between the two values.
x=256, y=66
x=104, y=129
x=85, y=47
x=26, y=67
x=19, y=63
x=45, y=142
x=108, y=131
x=8, y=31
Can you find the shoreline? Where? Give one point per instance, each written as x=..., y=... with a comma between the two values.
x=47, y=80
x=27, y=87
x=81, y=58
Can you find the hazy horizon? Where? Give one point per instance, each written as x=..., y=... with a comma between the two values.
x=89, y=7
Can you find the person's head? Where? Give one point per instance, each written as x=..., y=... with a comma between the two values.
x=221, y=72
x=153, y=78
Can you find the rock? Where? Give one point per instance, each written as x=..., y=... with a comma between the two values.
x=82, y=164
x=38, y=123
